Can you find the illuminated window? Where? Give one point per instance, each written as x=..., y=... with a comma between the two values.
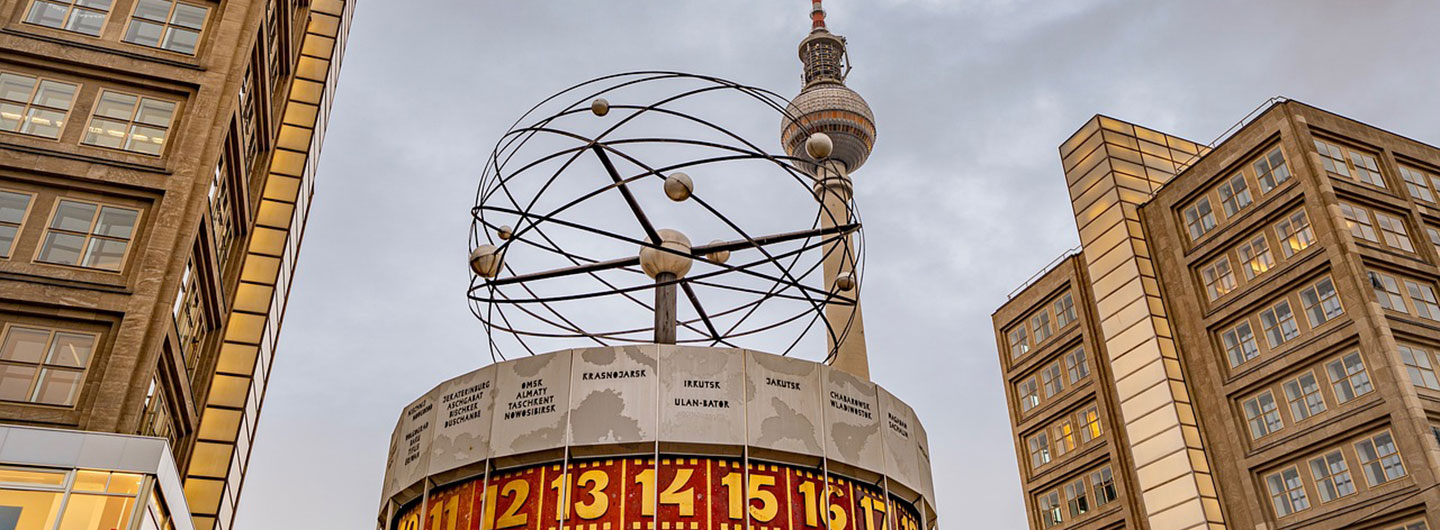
x=1358, y=220
x=1417, y=364
x=157, y=515
x=1287, y=492
x=1278, y=324
x=1064, y=311
x=1423, y=296
x=1271, y=171
x=1240, y=344
x=1387, y=291
x=1065, y=435
x=1295, y=233
x=35, y=495
x=1103, y=484
x=45, y=366
x=1019, y=341
x=14, y=206
x=1029, y=392
x=1304, y=397
x=1262, y=414
x=1348, y=377
x=1321, y=303
x=1052, y=380
x=1052, y=513
x=1219, y=279
x=1234, y=195
x=34, y=106
x=101, y=499
x=1255, y=257
x=1076, y=499
x=167, y=25
x=1394, y=232
x=1077, y=365
x=88, y=235
x=1199, y=218
x=130, y=123
x=1332, y=158
x=1041, y=324
x=1090, y=424
x=80, y=16
x=1039, y=450
x=1380, y=459
x=1417, y=183
x=1332, y=476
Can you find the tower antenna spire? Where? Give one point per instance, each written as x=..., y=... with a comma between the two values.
x=817, y=16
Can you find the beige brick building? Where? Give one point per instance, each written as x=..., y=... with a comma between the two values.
x=157, y=158
x=1263, y=327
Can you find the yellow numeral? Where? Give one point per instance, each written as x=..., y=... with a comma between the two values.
x=672, y=495
x=512, y=516
x=769, y=505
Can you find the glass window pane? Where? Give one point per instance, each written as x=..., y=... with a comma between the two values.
x=43, y=122
x=36, y=509
x=155, y=112
x=58, y=387
x=86, y=21
x=7, y=238
x=181, y=40
x=116, y=222
x=148, y=140
x=12, y=207
x=116, y=105
x=32, y=477
x=16, y=88
x=54, y=94
x=61, y=248
x=103, y=5
x=71, y=349
x=157, y=10
x=87, y=480
x=24, y=344
x=125, y=483
x=11, y=115
x=46, y=14
x=97, y=512
x=188, y=16
x=15, y=382
x=105, y=254
x=73, y=216
x=106, y=133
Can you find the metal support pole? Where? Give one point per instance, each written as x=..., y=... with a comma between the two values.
x=665, y=318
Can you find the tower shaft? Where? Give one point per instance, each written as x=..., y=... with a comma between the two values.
x=846, y=340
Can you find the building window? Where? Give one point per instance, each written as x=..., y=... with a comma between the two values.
x=1219, y=279
x=1417, y=364
x=1332, y=476
x=1041, y=324
x=1039, y=450
x=1103, y=483
x=90, y=499
x=1304, y=397
x=1417, y=183
x=1358, y=220
x=1295, y=233
x=1262, y=415
x=1387, y=292
x=1434, y=238
x=1417, y=525
x=1234, y=195
x=1332, y=158
x=1090, y=424
x=221, y=207
x=1287, y=492
x=1199, y=218
x=1367, y=170
x=130, y=123
x=1278, y=324
x=1051, y=511
x=1321, y=303
x=189, y=314
x=249, y=125
x=1029, y=392
x=1240, y=344
x=1076, y=498
x=1255, y=257
x=1064, y=311
x=1380, y=459
x=1019, y=341
x=1077, y=365
x=1270, y=170
x=1423, y=295
x=1394, y=232
x=45, y=366
x=14, y=206
x=34, y=106
x=88, y=235
x=1064, y=438
x=156, y=421
x=1348, y=377
x=1052, y=380
x=167, y=25
x=80, y=16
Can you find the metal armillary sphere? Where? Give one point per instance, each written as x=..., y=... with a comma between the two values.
x=592, y=207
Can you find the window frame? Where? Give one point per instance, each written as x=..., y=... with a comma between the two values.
x=90, y=235
x=1262, y=419
x=104, y=20
x=1419, y=364
x=1304, y=237
x=1217, y=282
x=1380, y=459
x=1394, y=232
x=1321, y=302
x=1287, y=492
x=1040, y=321
x=9, y=253
x=1348, y=377
x=1359, y=223
x=1077, y=367
x=1330, y=476
x=167, y=25
x=1200, y=220
x=1065, y=312
x=1268, y=159
x=1423, y=299
x=1302, y=403
x=1381, y=284
x=1233, y=202
x=1279, y=324
x=175, y=116
x=30, y=104
x=43, y=364
x=1422, y=181
x=1266, y=257
x=1240, y=343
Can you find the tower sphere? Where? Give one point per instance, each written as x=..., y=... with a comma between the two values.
x=837, y=111
x=655, y=261
x=485, y=260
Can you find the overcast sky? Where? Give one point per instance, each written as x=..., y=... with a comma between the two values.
x=963, y=198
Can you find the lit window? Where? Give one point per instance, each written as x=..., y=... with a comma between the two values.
x=1394, y=232
x=1234, y=195
x=167, y=25
x=1052, y=380
x=1019, y=341
x=1255, y=257
x=1295, y=233
x=1039, y=450
x=34, y=106
x=1103, y=484
x=1240, y=344
x=1090, y=424
x=1358, y=220
x=1064, y=311
x=1348, y=377
x=1423, y=295
x=1387, y=292
x=1321, y=303
x=1417, y=364
x=88, y=235
x=46, y=366
x=1064, y=438
x=1417, y=183
x=1332, y=158
x=1287, y=492
x=1077, y=365
x=1262, y=414
x=1270, y=170
x=1303, y=396
x=130, y=123
x=1332, y=476
x=1029, y=392
x=1051, y=511
x=1041, y=324
x=1278, y=324
x=1076, y=498
x=1199, y=218
x=13, y=208
x=80, y=16
x=1219, y=279
x=1380, y=459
